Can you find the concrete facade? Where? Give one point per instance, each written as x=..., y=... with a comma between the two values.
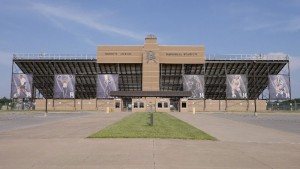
x=151, y=103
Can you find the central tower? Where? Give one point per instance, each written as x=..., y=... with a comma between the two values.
x=151, y=64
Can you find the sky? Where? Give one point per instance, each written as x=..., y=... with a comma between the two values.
x=77, y=27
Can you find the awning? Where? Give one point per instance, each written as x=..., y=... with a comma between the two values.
x=151, y=93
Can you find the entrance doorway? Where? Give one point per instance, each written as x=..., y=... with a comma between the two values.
x=127, y=104
x=174, y=104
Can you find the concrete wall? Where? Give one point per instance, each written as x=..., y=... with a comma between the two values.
x=237, y=105
x=151, y=101
x=163, y=101
x=197, y=105
x=222, y=105
x=101, y=105
x=64, y=104
x=182, y=109
x=138, y=102
x=213, y=105
x=104, y=105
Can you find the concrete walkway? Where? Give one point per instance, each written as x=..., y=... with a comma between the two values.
x=234, y=131
x=63, y=144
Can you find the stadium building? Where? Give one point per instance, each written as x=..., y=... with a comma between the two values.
x=149, y=76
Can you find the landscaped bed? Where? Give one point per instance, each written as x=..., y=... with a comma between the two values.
x=165, y=126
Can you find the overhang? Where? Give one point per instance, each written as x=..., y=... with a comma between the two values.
x=151, y=93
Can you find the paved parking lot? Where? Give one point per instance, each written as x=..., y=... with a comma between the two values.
x=289, y=122
x=59, y=141
x=17, y=120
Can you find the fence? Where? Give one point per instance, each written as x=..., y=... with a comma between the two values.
x=283, y=107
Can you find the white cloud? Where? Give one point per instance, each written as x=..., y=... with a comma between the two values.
x=60, y=14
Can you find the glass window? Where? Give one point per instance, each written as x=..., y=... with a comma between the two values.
x=166, y=104
x=159, y=104
x=141, y=104
x=117, y=104
x=135, y=105
x=183, y=104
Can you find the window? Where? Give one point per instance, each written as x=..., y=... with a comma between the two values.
x=135, y=105
x=183, y=104
x=141, y=104
x=166, y=104
x=159, y=104
x=117, y=104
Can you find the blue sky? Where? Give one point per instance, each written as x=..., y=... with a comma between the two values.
x=223, y=27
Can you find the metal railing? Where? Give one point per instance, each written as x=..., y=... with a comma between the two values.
x=246, y=57
x=46, y=56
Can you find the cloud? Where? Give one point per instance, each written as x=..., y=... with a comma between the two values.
x=58, y=14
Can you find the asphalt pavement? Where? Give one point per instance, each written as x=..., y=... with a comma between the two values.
x=60, y=141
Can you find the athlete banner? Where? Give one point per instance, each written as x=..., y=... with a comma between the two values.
x=21, y=86
x=279, y=87
x=195, y=84
x=107, y=83
x=64, y=86
x=236, y=86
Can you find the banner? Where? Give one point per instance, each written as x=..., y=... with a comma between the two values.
x=195, y=84
x=21, y=86
x=279, y=87
x=107, y=83
x=236, y=86
x=64, y=86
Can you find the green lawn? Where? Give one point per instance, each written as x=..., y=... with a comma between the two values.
x=137, y=125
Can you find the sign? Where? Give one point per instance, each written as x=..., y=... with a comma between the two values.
x=107, y=83
x=21, y=86
x=236, y=86
x=195, y=84
x=279, y=87
x=64, y=86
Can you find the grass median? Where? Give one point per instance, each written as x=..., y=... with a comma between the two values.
x=165, y=126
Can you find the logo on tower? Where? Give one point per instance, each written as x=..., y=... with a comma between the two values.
x=150, y=55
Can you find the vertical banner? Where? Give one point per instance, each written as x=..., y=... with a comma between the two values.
x=195, y=84
x=64, y=86
x=107, y=83
x=279, y=87
x=236, y=86
x=21, y=86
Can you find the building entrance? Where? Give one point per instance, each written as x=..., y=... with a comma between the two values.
x=174, y=104
x=127, y=104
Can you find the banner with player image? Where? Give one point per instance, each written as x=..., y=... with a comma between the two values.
x=236, y=86
x=107, y=83
x=64, y=86
x=195, y=84
x=21, y=86
x=279, y=87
